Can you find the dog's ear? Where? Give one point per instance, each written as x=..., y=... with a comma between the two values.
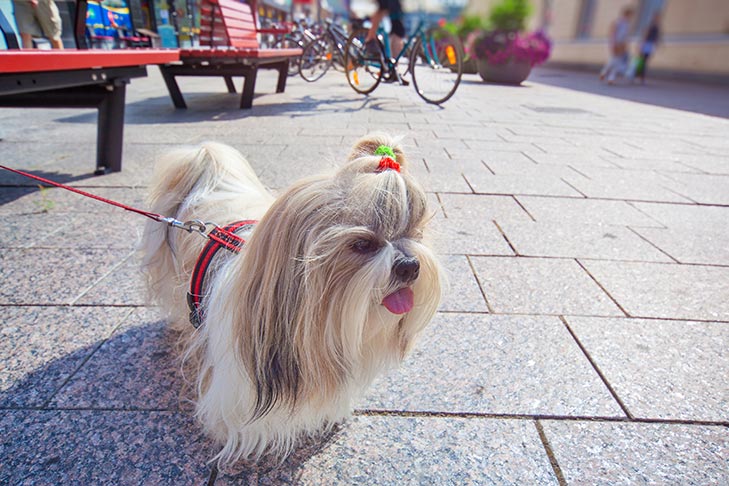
x=272, y=312
x=368, y=145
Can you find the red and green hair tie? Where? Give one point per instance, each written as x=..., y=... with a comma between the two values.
x=388, y=159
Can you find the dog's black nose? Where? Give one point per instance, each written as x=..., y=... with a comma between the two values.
x=407, y=269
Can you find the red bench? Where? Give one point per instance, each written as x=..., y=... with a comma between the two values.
x=229, y=47
x=79, y=79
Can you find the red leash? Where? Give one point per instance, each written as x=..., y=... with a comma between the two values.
x=227, y=239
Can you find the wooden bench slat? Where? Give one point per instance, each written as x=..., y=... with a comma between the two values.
x=229, y=47
x=30, y=60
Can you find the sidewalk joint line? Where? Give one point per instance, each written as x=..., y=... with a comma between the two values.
x=516, y=199
x=597, y=369
x=550, y=453
x=370, y=412
x=87, y=358
x=100, y=279
x=480, y=287
x=503, y=235
x=602, y=288
x=584, y=196
x=675, y=260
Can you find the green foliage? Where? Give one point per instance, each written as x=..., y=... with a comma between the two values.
x=465, y=25
x=45, y=204
x=510, y=15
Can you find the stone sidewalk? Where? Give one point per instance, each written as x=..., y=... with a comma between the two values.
x=583, y=340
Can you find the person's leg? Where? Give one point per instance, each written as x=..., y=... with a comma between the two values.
x=49, y=19
x=397, y=36
x=27, y=25
x=644, y=66
x=27, y=40
x=376, y=19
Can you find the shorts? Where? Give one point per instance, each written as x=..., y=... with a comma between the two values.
x=394, y=10
x=44, y=20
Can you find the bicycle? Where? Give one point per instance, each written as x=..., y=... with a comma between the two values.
x=323, y=52
x=300, y=35
x=435, y=62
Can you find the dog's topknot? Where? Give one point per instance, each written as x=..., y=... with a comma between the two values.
x=367, y=147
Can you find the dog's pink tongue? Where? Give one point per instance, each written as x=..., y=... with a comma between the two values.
x=399, y=302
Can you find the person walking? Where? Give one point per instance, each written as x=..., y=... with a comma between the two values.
x=648, y=46
x=39, y=18
x=618, y=63
x=393, y=8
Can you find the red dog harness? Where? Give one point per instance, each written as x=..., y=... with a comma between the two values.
x=218, y=238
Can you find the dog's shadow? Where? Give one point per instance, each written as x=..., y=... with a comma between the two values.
x=118, y=406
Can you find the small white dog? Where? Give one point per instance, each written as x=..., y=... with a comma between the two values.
x=331, y=287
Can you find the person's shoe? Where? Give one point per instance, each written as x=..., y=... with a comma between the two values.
x=372, y=50
x=394, y=77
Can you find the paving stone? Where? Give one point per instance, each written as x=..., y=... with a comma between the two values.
x=626, y=185
x=661, y=369
x=685, y=216
x=541, y=286
x=584, y=159
x=702, y=247
x=45, y=277
x=587, y=211
x=704, y=189
x=41, y=347
x=395, y=450
x=656, y=164
x=460, y=236
x=440, y=178
x=481, y=208
x=665, y=290
x=56, y=201
x=136, y=368
x=28, y=230
x=101, y=447
x=498, y=365
x=599, y=453
x=552, y=239
x=535, y=184
x=715, y=164
x=124, y=285
x=462, y=294
x=615, y=150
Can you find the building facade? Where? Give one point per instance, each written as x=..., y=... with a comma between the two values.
x=694, y=41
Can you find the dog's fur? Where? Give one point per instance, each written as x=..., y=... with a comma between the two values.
x=295, y=327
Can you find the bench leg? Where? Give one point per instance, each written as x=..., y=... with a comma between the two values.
x=283, y=74
x=110, y=130
x=173, y=88
x=249, y=86
x=229, y=84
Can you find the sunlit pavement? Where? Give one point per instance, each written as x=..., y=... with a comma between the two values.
x=583, y=339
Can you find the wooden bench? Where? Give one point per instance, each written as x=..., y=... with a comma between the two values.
x=79, y=79
x=229, y=47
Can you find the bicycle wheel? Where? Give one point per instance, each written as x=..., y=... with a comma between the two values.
x=287, y=43
x=316, y=59
x=436, y=64
x=363, y=74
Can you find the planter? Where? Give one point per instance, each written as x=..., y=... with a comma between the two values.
x=512, y=72
x=470, y=65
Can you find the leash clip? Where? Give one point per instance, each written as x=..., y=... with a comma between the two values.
x=192, y=226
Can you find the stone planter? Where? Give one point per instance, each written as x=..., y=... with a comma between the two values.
x=512, y=72
x=470, y=65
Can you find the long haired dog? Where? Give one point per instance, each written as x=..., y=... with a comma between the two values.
x=331, y=288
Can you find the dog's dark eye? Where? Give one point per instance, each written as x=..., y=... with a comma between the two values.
x=365, y=246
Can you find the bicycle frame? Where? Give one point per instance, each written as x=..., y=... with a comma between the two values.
x=418, y=32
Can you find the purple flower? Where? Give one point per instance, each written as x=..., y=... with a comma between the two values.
x=499, y=47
